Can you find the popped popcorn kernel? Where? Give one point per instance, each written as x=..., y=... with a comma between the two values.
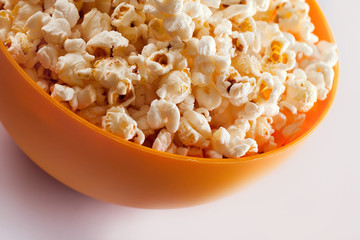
x=197, y=78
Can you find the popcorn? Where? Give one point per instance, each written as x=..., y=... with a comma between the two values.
x=35, y=23
x=321, y=75
x=56, y=31
x=75, y=45
x=179, y=25
x=160, y=62
x=163, y=114
x=194, y=129
x=300, y=92
x=83, y=97
x=168, y=6
x=5, y=24
x=174, y=86
x=74, y=68
x=208, y=97
x=105, y=41
x=62, y=93
x=67, y=10
x=231, y=146
x=22, y=12
x=23, y=50
x=48, y=56
x=118, y=122
x=198, y=78
x=94, y=23
x=163, y=140
x=109, y=72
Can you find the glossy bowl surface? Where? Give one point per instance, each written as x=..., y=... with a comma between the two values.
x=106, y=167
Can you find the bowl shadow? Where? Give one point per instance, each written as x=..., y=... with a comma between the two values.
x=43, y=207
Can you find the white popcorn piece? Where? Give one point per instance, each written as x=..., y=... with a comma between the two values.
x=163, y=114
x=67, y=10
x=94, y=23
x=8, y=4
x=247, y=64
x=300, y=92
x=44, y=85
x=125, y=15
x=49, y=6
x=293, y=128
x=194, y=129
x=118, y=122
x=211, y=3
x=157, y=30
x=110, y=71
x=231, y=146
x=249, y=111
x=22, y=12
x=140, y=116
x=62, y=93
x=160, y=62
x=175, y=86
x=123, y=94
x=163, y=140
x=244, y=8
x=56, y=31
x=35, y=23
x=208, y=97
x=23, y=50
x=168, y=6
x=261, y=130
x=74, y=68
x=328, y=53
x=75, y=45
x=214, y=154
x=187, y=104
x=105, y=42
x=207, y=46
x=322, y=76
x=48, y=56
x=83, y=97
x=179, y=25
x=5, y=24
x=238, y=89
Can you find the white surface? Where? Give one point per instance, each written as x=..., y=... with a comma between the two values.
x=314, y=195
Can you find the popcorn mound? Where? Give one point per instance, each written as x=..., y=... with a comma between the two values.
x=204, y=78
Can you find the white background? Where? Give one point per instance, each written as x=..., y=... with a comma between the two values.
x=314, y=195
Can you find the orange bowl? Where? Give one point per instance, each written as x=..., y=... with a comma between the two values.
x=103, y=166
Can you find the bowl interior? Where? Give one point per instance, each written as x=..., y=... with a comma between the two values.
x=312, y=121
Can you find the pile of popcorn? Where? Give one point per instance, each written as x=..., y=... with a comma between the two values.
x=203, y=78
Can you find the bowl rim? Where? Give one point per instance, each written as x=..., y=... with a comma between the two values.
x=330, y=98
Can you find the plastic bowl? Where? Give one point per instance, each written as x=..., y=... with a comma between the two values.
x=103, y=166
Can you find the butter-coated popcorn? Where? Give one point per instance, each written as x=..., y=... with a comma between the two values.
x=22, y=12
x=23, y=49
x=5, y=24
x=198, y=78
